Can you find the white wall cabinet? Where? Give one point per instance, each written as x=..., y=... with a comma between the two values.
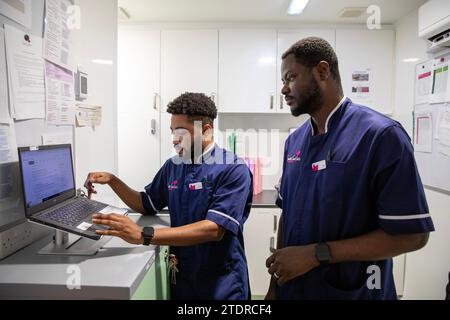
x=260, y=233
x=189, y=63
x=138, y=105
x=372, y=52
x=286, y=39
x=247, y=69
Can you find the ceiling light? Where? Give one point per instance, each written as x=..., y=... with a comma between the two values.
x=352, y=12
x=100, y=61
x=297, y=6
x=411, y=60
x=266, y=60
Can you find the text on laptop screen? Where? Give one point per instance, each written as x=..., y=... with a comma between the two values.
x=47, y=174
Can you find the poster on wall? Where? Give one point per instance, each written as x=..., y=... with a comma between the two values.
x=444, y=132
x=440, y=91
x=60, y=95
x=423, y=133
x=58, y=38
x=25, y=74
x=361, y=89
x=17, y=10
x=4, y=106
x=8, y=146
x=424, y=82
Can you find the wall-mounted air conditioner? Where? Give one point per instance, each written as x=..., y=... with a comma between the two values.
x=434, y=24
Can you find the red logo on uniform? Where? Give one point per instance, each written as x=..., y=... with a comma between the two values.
x=315, y=167
x=173, y=185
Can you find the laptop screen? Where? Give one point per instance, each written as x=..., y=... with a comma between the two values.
x=47, y=175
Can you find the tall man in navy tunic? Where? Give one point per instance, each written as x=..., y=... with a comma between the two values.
x=209, y=196
x=350, y=191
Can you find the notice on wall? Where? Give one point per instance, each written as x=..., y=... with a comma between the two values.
x=423, y=135
x=25, y=74
x=440, y=91
x=4, y=105
x=58, y=38
x=60, y=95
x=361, y=89
x=8, y=145
x=49, y=139
x=444, y=132
x=88, y=116
x=424, y=82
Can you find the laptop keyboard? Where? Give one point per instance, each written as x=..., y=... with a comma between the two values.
x=73, y=213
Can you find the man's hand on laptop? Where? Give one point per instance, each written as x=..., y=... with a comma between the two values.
x=119, y=226
x=96, y=177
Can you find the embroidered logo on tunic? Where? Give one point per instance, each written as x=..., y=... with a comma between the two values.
x=294, y=158
x=173, y=185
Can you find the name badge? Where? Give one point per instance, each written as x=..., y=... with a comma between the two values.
x=321, y=165
x=195, y=186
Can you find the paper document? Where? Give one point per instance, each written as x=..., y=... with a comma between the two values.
x=8, y=145
x=4, y=106
x=57, y=138
x=444, y=133
x=423, y=136
x=60, y=95
x=440, y=91
x=424, y=82
x=361, y=89
x=88, y=116
x=58, y=40
x=26, y=74
x=17, y=10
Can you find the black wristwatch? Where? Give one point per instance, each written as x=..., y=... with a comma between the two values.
x=147, y=234
x=323, y=254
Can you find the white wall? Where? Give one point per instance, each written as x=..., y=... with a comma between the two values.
x=426, y=270
x=96, y=150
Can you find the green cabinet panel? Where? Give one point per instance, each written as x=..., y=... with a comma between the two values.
x=155, y=285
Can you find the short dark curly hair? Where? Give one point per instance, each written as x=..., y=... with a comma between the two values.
x=197, y=106
x=310, y=51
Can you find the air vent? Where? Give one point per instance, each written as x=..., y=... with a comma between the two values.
x=123, y=14
x=352, y=12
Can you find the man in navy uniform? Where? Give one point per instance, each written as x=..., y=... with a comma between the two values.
x=209, y=198
x=350, y=191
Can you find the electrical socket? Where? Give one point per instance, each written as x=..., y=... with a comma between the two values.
x=20, y=236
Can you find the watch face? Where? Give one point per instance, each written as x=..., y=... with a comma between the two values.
x=322, y=252
x=148, y=231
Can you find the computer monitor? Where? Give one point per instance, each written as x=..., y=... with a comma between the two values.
x=47, y=176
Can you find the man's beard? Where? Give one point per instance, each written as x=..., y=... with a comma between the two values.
x=308, y=102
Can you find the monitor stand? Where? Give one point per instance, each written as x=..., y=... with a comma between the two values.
x=68, y=244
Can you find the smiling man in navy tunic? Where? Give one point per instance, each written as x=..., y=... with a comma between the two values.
x=209, y=196
x=350, y=192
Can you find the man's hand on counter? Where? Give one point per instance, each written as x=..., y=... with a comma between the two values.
x=120, y=226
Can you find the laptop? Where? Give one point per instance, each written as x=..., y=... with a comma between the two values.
x=49, y=193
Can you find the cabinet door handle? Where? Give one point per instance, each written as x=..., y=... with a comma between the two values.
x=153, y=127
x=155, y=101
x=272, y=97
x=281, y=102
x=275, y=223
x=272, y=244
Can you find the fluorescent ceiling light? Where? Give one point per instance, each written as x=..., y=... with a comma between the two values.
x=266, y=60
x=411, y=60
x=100, y=61
x=297, y=6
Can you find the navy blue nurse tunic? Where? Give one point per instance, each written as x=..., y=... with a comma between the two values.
x=220, y=190
x=357, y=177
